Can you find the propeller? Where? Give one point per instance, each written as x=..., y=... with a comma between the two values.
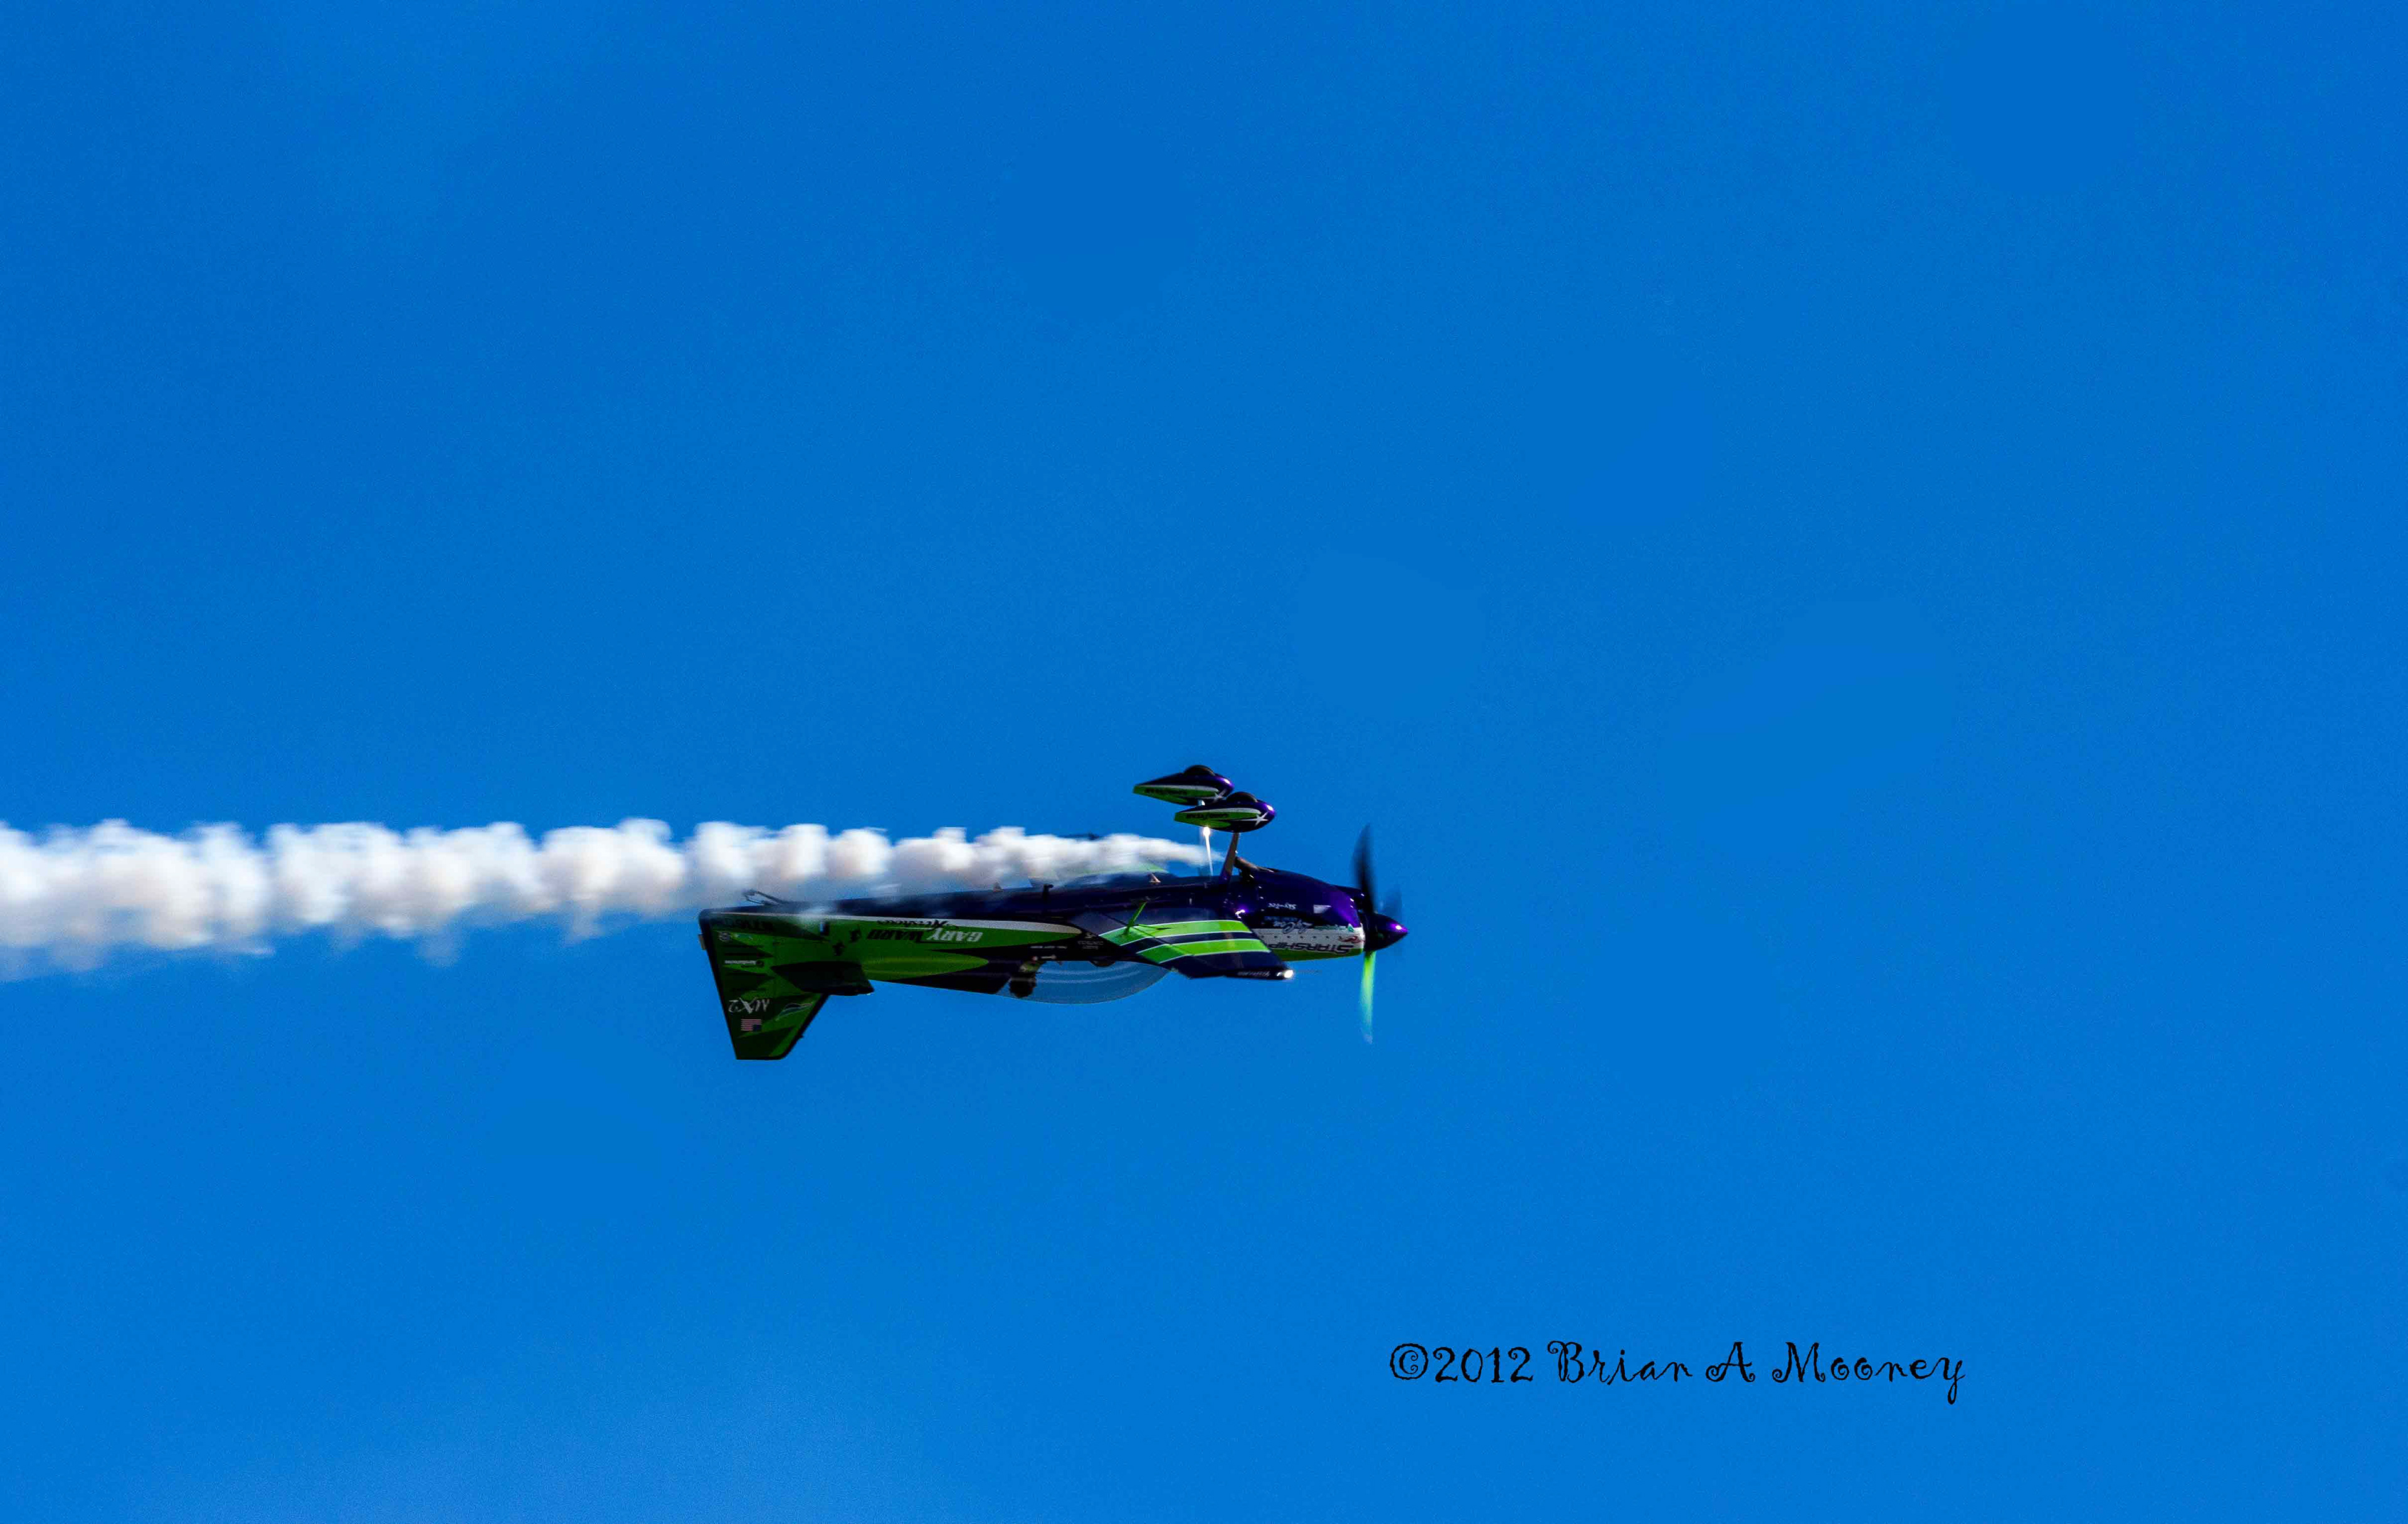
x=1381, y=927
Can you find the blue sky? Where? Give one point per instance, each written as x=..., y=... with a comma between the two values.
x=1853, y=557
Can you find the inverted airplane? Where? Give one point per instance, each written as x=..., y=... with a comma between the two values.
x=1105, y=937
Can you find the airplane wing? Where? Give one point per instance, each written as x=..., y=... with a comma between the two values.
x=1199, y=940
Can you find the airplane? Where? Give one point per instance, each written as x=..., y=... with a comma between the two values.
x=1105, y=937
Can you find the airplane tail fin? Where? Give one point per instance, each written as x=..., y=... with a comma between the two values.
x=771, y=1031
x=767, y=1002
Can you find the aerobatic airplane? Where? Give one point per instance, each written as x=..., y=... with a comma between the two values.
x=1100, y=938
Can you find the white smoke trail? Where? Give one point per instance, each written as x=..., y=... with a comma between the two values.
x=71, y=898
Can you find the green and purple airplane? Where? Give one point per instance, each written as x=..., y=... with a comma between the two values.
x=1102, y=938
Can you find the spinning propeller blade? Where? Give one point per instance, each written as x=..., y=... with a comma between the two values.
x=1368, y=959
x=1380, y=926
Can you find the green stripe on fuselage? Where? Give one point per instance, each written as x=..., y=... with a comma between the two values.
x=890, y=960
x=1166, y=930
x=1165, y=952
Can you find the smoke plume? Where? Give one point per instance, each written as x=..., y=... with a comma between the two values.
x=71, y=898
